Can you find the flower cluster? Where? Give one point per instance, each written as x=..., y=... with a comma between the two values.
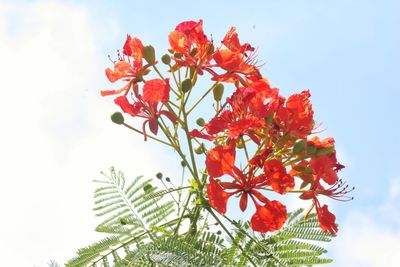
x=276, y=136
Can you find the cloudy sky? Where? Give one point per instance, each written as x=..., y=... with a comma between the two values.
x=56, y=135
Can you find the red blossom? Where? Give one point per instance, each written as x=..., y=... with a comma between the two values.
x=277, y=176
x=269, y=217
x=296, y=117
x=324, y=168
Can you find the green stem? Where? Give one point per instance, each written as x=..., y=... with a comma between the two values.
x=149, y=136
x=231, y=236
x=201, y=98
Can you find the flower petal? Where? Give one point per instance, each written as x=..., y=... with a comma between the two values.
x=220, y=160
x=269, y=217
x=327, y=220
x=156, y=90
x=218, y=198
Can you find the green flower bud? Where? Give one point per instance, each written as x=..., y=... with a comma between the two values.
x=117, y=118
x=219, y=232
x=193, y=52
x=166, y=59
x=178, y=55
x=183, y=164
x=147, y=187
x=123, y=221
x=240, y=144
x=299, y=147
x=200, y=149
x=149, y=54
x=168, y=179
x=159, y=175
x=186, y=85
x=200, y=121
x=218, y=91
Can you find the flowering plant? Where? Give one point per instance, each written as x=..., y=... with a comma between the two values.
x=255, y=145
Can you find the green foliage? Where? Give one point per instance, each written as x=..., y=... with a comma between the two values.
x=143, y=234
x=293, y=245
x=131, y=217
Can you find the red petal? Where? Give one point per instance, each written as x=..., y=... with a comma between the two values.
x=153, y=125
x=127, y=107
x=269, y=217
x=243, y=201
x=220, y=160
x=156, y=90
x=259, y=196
x=197, y=133
x=323, y=167
x=218, y=198
x=327, y=220
x=121, y=69
x=277, y=176
x=133, y=47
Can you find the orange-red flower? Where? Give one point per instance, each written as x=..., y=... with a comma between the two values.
x=129, y=66
x=277, y=177
x=189, y=40
x=269, y=217
x=296, y=117
x=234, y=59
x=220, y=161
x=146, y=106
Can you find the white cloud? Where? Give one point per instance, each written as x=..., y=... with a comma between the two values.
x=55, y=135
x=371, y=239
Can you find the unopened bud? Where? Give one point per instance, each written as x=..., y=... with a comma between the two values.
x=159, y=175
x=168, y=179
x=240, y=144
x=166, y=59
x=149, y=54
x=200, y=149
x=193, y=52
x=147, y=187
x=200, y=121
x=178, y=55
x=218, y=91
x=186, y=85
x=183, y=164
x=117, y=118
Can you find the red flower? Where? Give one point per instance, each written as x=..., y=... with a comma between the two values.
x=220, y=160
x=189, y=39
x=234, y=59
x=269, y=217
x=296, y=118
x=231, y=41
x=338, y=191
x=277, y=176
x=147, y=106
x=133, y=47
x=128, y=67
x=240, y=120
x=324, y=168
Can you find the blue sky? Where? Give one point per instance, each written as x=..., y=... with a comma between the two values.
x=58, y=135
